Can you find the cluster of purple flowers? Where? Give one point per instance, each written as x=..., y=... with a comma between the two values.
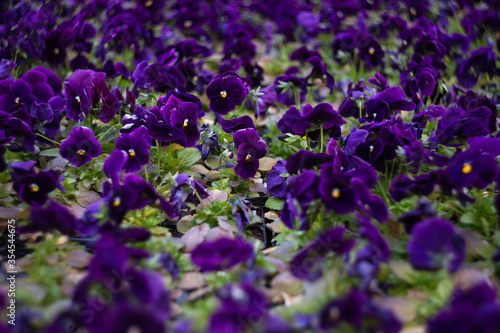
x=117, y=85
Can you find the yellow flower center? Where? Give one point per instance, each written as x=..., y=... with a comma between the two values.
x=56, y=51
x=371, y=50
x=131, y=152
x=18, y=100
x=223, y=94
x=336, y=193
x=467, y=168
x=148, y=3
x=413, y=11
x=371, y=149
x=186, y=122
x=249, y=156
x=81, y=152
x=116, y=202
x=34, y=188
x=188, y=24
x=78, y=99
x=418, y=97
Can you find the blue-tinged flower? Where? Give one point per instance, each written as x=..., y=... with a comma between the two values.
x=80, y=147
x=226, y=91
x=250, y=149
x=221, y=254
x=435, y=245
x=209, y=141
x=186, y=190
x=307, y=263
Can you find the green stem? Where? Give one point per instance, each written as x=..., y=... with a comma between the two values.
x=307, y=140
x=321, y=138
x=220, y=170
x=158, y=157
x=46, y=138
x=107, y=131
x=146, y=173
x=296, y=92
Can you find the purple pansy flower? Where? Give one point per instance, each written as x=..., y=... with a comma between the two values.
x=33, y=187
x=306, y=264
x=137, y=149
x=77, y=91
x=226, y=91
x=276, y=185
x=112, y=167
x=250, y=149
x=481, y=61
x=80, y=147
x=53, y=216
x=435, y=245
x=221, y=254
x=358, y=311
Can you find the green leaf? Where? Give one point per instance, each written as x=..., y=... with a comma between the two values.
x=189, y=156
x=467, y=218
x=53, y=152
x=107, y=148
x=274, y=203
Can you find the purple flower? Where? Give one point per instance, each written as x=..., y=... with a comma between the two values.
x=32, y=187
x=481, y=61
x=226, y=91
x=479, y=299
x=221, y=254
x=80, y=147
x=435, y=245
x=250, y=149
x=242, y=306
x=276, y=185
x=209, y=141
x=319, y=71
x=422, y=212
x=77, y=91
x=476, y=166
x=358, y=311
x=137, y=149
x=306, y=160
x=186, y=190
x=307, y=263
x=232, y=125
x=52, y=217
x=135, y=193
x=300, y=192
x=311, y=120
x=112, y=167
x=284, y=85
